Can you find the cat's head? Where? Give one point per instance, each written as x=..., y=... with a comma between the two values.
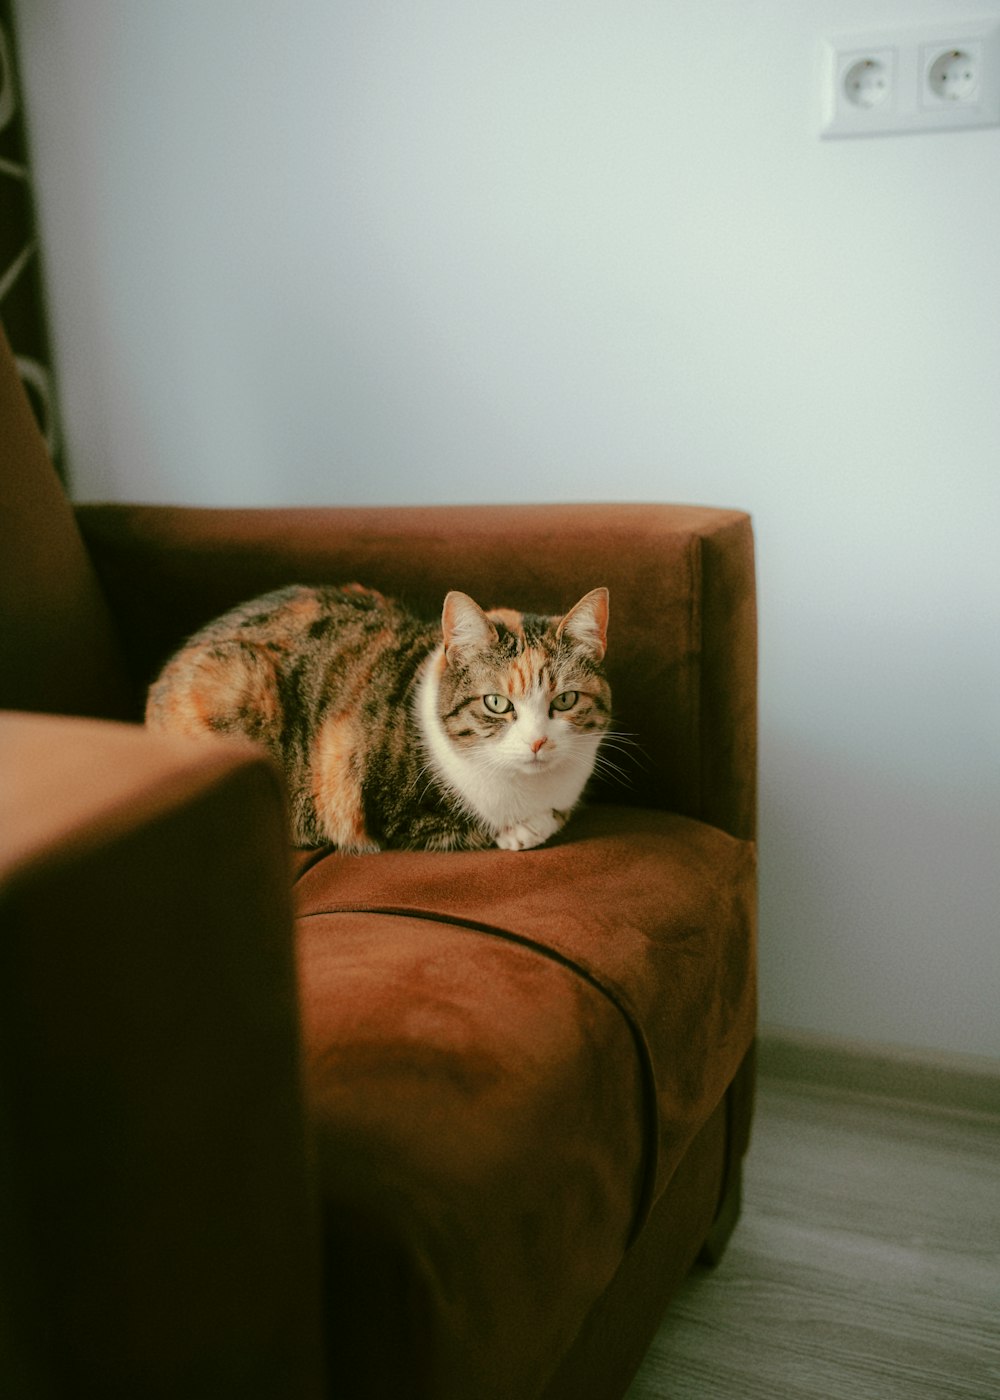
x=528, y=693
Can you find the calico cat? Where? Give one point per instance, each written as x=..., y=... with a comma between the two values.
x=396, y=733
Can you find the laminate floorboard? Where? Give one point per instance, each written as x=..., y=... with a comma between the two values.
x=866, y=1264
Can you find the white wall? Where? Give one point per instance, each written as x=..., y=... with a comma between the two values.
x=476, y=250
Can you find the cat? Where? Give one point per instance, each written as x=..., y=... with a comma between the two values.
x=394, y=733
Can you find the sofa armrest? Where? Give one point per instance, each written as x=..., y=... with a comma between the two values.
x=156, y=1218
x=682, y=652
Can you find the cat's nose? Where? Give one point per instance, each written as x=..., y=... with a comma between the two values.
x=536, y=744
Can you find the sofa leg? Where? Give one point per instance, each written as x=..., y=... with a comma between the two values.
x=724, y=1223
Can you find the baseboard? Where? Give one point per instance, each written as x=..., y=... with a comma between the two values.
x=965, y=1083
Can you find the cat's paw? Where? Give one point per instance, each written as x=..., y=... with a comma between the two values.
x=522, y=836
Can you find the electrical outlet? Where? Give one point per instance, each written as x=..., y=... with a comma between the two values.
x=952, y=76
x=862, y=85
x=868, y=81
x=912, y=80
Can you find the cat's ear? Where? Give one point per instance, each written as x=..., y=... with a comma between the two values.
x=465, y=625
x=587, y=623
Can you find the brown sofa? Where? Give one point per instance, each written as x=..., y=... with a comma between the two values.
x=405, y=1125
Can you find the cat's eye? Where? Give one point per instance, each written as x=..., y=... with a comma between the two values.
x=566, y=700
x=497, y=704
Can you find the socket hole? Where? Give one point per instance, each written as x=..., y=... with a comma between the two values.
x=866, y=83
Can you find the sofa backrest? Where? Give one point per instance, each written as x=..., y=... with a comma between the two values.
x=682, y=654
x=58, y=652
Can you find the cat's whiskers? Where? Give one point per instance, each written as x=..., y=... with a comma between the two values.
x=603, y=764
x=627, y=748
x=627, y=745
x=424, y=773
x=622, y=738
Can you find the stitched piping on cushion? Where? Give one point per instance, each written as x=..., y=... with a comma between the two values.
x=651, y=1125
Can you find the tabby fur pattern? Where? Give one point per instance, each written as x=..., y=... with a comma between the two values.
x=480, y=730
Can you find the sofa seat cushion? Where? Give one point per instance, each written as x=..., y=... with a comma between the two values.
x=657, y=910
x=507, y=1054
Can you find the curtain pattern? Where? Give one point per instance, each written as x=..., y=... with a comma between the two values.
x=21, y=295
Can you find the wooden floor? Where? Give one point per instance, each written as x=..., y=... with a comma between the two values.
x=866, y=1263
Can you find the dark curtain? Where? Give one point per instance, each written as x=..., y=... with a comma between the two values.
x=22, y=308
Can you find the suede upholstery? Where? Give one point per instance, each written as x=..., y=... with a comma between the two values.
x=157, y=1217
x=414, y=1125
x=580, y=1017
